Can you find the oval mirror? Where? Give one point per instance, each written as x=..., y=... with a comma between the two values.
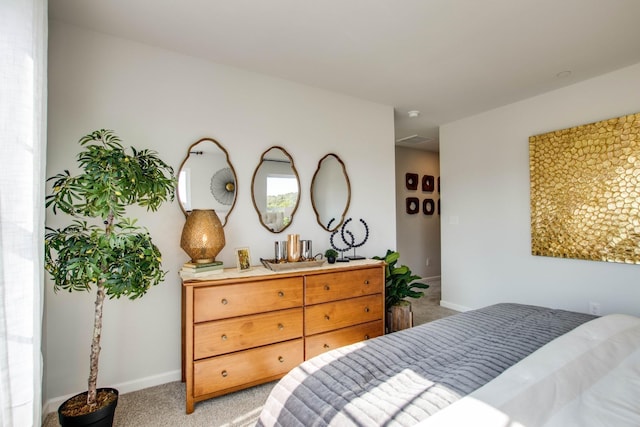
x=275, y=189
x=330, y=192
x=207, y=180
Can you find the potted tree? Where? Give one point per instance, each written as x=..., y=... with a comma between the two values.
x=400, y=283
x=116, y=258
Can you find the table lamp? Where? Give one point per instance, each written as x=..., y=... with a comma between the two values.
x=202, y=236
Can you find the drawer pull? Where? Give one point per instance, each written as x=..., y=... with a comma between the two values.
x=327, y=346
x=224, y=337
x=326, y=317
x=224, y=301
x=366, y=309
x=280, y=294
x=280, y=326
x=224, y=374
x=366, y=282
x=327, y=287
x=281, y=359
x=366, y=336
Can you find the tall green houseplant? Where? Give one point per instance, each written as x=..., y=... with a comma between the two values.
x=116, y=258
x=400, y=282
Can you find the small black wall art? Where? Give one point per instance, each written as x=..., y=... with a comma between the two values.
x=428, y=206
x=428, y=183
x=413, y=205
x=411, y=180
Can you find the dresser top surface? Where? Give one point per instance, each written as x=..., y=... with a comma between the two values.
x=260, y=272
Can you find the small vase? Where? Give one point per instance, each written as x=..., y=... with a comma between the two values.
x=280, y=252
x=293, y=247
x=306, y=251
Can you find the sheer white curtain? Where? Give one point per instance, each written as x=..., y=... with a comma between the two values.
x=23, y=53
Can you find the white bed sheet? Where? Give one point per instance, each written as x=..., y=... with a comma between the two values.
x=587, y=377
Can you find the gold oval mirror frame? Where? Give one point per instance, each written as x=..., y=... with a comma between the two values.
x=275, y=189
x=330, y=192
x=207, y=179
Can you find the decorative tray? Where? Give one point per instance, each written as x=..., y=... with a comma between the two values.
x=281, y=266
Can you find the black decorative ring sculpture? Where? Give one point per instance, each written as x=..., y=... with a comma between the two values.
x=349, y=240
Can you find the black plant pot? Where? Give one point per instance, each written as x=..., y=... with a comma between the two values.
x=331, y=259
x=103, y=417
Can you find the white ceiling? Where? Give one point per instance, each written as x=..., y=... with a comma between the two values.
x=448, y=59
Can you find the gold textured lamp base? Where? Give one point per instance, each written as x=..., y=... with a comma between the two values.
x=202, y=236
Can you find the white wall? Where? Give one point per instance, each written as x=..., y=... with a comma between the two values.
x=486, y=244
x=418, y=234
x=162, y=100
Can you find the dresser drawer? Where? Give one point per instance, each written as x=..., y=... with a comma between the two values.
x=342, y=285
x=232, y=370
x=239, y=333
x=320, y=343
x=340, y=314
x=220, y=302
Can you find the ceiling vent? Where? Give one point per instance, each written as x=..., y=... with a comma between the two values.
x=414, y=139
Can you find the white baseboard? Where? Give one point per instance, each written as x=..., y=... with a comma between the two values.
x=452, y=306
x=52, y=405
x=426, y=279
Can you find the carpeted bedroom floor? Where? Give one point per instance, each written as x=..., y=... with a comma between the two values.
x=163, y=405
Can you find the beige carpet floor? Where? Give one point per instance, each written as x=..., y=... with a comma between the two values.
x=163, y=405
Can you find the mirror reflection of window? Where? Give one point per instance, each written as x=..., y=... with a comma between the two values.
x=282, y=196
x=275, y=189
x=184, y=188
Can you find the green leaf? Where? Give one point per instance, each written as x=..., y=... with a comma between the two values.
x=120, y=255
x=400, y=282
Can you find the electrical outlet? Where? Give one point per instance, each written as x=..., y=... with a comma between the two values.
x=428, y=262
x=595, y=309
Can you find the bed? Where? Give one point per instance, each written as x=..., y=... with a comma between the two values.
x=499, y=365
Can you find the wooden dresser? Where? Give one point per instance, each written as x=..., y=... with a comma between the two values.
x=244, y=329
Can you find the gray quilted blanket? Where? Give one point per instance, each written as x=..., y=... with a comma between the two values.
x=404, y=377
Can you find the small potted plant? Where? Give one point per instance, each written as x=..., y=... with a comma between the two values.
x=116, y=258
x=400, y=283
x=331, y=255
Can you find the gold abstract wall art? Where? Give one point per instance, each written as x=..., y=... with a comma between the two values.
x=585, y=191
